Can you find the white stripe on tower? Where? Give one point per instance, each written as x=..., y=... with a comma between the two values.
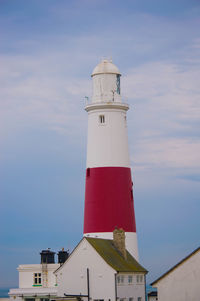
x=109, y=192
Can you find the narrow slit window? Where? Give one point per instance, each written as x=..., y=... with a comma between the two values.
x=102, y=118
x=88, y=172
x=132, y=194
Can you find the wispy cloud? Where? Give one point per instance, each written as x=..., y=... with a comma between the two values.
x=166, y=98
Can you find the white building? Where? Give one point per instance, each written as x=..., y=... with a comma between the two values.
x=31, y=283
x=38, y=281
x=102, y=269
x=181, y=282
x=97, y=269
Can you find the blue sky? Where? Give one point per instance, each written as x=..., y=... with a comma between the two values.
x=48, y=50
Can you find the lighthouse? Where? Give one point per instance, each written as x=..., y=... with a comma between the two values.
x=109, y=202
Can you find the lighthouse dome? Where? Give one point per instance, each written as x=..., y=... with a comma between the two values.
x=105, y=66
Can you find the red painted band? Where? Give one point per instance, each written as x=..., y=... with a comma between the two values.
x=109, y=200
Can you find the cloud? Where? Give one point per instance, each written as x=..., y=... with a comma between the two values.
x=165, y=96
x=191, y=177
x=167, y=153
x=34, y=90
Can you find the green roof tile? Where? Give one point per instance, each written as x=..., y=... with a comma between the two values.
x=113, y=257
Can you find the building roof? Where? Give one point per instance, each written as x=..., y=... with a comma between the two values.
x=106, y=249
x=105, y=66
x=176, y=265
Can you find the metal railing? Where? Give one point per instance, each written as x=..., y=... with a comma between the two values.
x=88, y=101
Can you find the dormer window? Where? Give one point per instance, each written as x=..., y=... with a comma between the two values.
x=101, y=119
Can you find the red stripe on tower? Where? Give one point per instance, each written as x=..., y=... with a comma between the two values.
x=109, y=200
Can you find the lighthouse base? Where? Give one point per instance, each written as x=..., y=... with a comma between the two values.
x=131, y=240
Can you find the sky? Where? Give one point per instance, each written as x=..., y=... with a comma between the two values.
x=48, y=50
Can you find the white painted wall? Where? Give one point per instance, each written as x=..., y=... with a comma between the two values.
x=130, y=241
x=26, y=274
x=72, y=276
x=107, y=143
x=183, y=283
x=133, y=290
x=34, y=292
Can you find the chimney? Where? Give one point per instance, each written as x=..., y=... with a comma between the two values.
x=119, y=241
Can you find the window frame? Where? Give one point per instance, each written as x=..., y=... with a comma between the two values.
x=37, y=279
x=102, y=119
x=120, y=279
x=130, y=279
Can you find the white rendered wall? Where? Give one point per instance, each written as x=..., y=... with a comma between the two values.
x=26, y=274
x=183, y=283
x=131, y=241
x=34, y=292
x=72, y=276
x=107, y=142
x=133, y=290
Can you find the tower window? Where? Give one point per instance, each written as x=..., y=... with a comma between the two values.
x=102, y=118
x=88, y=172
x=132, y=194
x=125, y=120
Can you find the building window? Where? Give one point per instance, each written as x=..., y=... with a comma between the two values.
x=139, y=278
x=120, y=279
x=139, y=299
x=102, y=118
x=130, y=299
x=130, y=279
x=37, y=280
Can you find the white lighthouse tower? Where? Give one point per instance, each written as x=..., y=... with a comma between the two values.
x=109, y=200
